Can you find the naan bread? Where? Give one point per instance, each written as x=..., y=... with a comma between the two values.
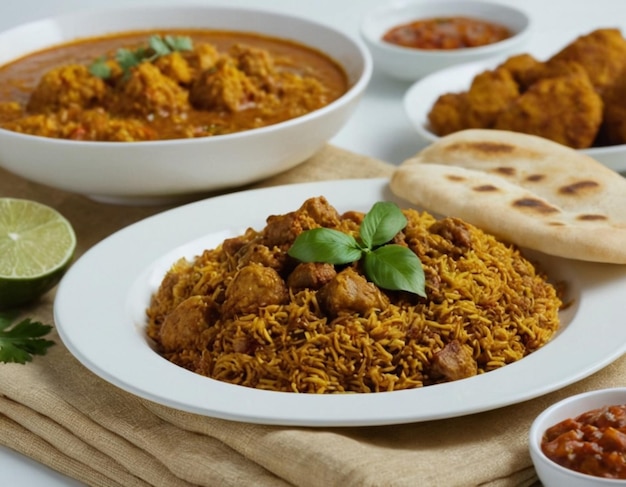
x=524, y=189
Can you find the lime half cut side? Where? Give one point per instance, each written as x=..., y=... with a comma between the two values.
x=36, y=247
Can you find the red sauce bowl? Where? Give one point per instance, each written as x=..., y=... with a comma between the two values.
x=411, y=63
x=549, y=471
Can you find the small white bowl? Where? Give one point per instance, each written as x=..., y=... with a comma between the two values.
x=550, y=473
x=158, y=171
x=410, y=64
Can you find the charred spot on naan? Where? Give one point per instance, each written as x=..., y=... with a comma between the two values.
x=455, y=178
x=535, y=178
x=483, y=149
x=580, y=187
x=505, y=170
x=534, y=205
x=592, y=217
x=486, y=188
x=508, y=171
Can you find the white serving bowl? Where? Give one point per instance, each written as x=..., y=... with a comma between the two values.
x=410, y=64
x=157, y=171
x=550, y=473
x=422, y=95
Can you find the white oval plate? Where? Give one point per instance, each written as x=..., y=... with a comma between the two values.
x=101, y=301
x=422, y=95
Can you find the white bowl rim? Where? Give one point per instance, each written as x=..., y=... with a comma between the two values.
x=354, y=86
x=495, y=47
x=538, y=427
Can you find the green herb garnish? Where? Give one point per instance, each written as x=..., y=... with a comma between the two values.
x=157, y=47
x=100, y=68
x=389, y=266
x=18, y=343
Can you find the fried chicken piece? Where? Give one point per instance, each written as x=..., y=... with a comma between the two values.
x=527, y=71
x=565, y=109
x=448, y=113
x=613, y=129
x=602, y=53
x=523, y=68
x=555, y=68
x=490, y=93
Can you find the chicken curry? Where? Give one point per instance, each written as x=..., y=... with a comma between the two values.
x=170, y=84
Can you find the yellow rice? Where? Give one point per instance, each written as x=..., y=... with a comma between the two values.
x=489, y=298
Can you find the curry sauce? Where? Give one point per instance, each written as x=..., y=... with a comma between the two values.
x=226, y=82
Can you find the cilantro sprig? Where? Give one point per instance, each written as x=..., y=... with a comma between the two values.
x=389, y=266
x=20, y=341
x=127, y=58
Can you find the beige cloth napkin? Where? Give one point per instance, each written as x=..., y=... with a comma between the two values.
x=57, y=412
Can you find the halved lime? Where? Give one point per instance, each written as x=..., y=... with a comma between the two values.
x=36, y=247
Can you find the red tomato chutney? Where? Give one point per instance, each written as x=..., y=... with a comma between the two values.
x=446, y=33
x=593, y=443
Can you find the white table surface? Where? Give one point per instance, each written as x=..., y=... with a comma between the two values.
x=379, y=127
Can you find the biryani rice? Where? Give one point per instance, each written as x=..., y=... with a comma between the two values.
x=487, y=297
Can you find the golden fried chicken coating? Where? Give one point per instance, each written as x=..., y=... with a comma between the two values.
x=577, y=97
x=602, y=53
x=565, y=109
x=555, y=68
x=448, y=113
x=523, y=68
x=613, y=129
x=526, y=70
x=490, y=93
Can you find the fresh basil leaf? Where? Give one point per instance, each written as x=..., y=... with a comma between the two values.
x=100, y=68
x=395, y=267
x=325, y=245
x=381, y=224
